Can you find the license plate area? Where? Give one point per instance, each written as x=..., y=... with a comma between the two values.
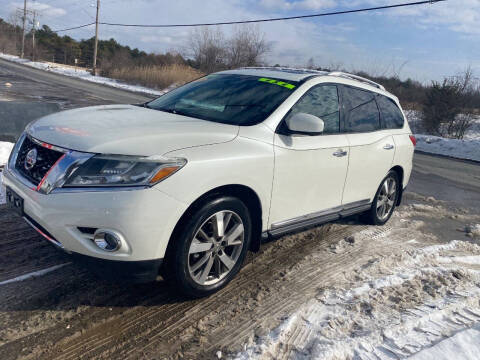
x=14, y=201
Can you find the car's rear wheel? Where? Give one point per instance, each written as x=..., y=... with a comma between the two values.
x=385, y=200
x=211, y=247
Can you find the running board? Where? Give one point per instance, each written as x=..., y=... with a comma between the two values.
x=312, y=220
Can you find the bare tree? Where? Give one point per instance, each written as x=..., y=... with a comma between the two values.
x=246, y=47
x=208, y=48
x=212, y=51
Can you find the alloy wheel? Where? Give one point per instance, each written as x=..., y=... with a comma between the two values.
x=386, y=198
x=216, y=248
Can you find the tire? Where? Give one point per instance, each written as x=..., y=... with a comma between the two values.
x=203, y=260
x=385, y=200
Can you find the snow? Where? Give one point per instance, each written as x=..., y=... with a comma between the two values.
x=5, y=149
x=465, y=345
x=462, y=149
x=421, y=305
x=468, y=148
x=85, y=75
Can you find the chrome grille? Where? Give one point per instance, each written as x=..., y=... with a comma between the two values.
x=45, y=159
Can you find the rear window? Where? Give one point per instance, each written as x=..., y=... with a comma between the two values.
x=227, y=98
x=361, y=109
x=391, y=115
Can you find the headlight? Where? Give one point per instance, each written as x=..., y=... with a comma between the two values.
x=111, y=170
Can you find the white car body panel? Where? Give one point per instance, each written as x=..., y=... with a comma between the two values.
x=308, y=177
x=369, y=163
x=210, y=167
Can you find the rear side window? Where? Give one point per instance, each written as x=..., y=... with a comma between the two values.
x=391, y=115
x=321, y=101
x=361, y=110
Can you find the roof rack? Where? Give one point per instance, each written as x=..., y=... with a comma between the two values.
x=357, y=78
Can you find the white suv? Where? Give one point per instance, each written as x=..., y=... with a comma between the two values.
x=189, y=182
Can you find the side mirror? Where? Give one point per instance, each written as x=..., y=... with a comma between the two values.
x=305, y=123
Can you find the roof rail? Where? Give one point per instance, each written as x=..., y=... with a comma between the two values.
x=357, y=78
x=286, y=69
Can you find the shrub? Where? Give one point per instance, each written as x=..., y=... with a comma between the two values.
x=448, y=106
x=158, y=77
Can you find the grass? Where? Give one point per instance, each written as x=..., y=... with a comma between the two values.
x=158, y=77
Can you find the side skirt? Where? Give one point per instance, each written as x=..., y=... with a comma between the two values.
x=312, y=220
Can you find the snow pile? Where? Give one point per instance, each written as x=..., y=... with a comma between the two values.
x=85, y=75
x=5, y=149
x=468, y=148
x=419, y=304
x=463, y=149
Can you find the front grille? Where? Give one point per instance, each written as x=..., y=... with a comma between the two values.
x=46, y=158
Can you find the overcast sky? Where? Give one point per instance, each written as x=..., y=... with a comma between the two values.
x=431, y=41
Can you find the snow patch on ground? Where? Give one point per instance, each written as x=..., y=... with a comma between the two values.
x=464, y=345
x=85, y=75
x=421, y=303
x=5, y=149
x=462, y=149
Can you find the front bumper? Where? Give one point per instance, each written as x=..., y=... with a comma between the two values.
x=144, y=218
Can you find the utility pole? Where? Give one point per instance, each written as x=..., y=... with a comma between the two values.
x=96, y=41
x=24, y=23
x=33, y=34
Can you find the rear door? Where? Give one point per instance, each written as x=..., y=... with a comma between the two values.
x=372, y=148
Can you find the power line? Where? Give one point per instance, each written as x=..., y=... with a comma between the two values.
x=264, y=20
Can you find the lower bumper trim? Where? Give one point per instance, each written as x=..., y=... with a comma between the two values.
x=38, y=228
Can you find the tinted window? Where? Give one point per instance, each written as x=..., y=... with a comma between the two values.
x=361, y=110
x=226, y=98
x=391, y=115
x=321, y=101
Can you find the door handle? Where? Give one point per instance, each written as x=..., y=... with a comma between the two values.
x=388, y=147
x=340, y=153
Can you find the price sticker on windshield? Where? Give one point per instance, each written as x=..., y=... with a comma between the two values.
x=279, y=83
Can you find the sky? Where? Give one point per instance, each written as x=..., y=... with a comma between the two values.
x=426, y=42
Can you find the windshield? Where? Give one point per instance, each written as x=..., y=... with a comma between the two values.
x=226, y=98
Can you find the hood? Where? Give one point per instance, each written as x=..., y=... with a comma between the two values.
x=127, y=130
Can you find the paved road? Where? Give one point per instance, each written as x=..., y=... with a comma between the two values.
x=63, y=87
x=27, y=93
x=454, y=181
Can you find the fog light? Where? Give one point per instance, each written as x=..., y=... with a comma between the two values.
x=107, y=240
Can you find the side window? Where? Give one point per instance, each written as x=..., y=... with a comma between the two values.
x=391, y=114
x=321, y=101
x=361, y=110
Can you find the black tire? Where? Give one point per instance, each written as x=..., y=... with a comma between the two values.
x=178, y=267
x=372, y=216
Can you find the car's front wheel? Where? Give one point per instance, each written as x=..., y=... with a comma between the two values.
x=385, y=200
x=211, y=247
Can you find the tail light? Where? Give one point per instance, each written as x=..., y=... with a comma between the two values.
x=414, y=140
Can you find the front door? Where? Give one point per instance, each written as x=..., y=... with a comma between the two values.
x=310, y=171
